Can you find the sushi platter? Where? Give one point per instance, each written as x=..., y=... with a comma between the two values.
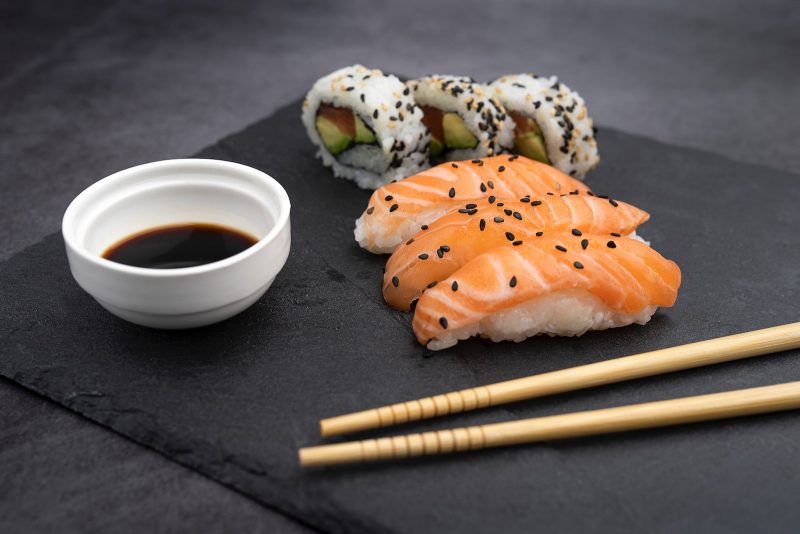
x=343, y=326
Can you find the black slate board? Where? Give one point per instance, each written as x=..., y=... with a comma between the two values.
x=236, y=400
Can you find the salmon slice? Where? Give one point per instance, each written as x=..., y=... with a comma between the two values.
x=452, y=240
x=398, y=210
x=547, y=285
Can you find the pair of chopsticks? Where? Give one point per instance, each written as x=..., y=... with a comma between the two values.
x=633, y=417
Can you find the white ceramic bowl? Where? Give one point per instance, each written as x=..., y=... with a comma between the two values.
x=173, y=192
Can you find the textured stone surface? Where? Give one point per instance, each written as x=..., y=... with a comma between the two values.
x=88, y=87
x=236, y=400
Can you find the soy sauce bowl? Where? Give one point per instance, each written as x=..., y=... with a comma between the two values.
x=172, y=192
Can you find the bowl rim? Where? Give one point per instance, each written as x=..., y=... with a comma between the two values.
x=278, y=192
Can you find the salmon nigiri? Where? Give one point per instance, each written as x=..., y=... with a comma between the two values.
x=451, y=241
x=550, y=285
x=398, y=210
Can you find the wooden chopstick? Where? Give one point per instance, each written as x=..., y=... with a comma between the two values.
x=637, y=416
x=723, y=349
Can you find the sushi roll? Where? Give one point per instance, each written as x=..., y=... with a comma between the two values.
x=366, y=126
x=551, y=285
x=397, y=211
x=464, y=120
x=477, y=227
x=551, y=122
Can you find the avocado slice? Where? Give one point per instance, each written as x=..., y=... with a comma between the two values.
x=528, y=138
x=456, y=134
x=335, y=140
x=436, y=147
x=364, y=134
x=531, y=146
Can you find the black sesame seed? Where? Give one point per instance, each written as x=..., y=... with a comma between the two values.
x=483, y=187
x=473, y=211
x=510, y=236
x=584, y=243
x=517, y=215
x=539, y=234
x=423, y=256
x=363, y=96
x=615, y=234
x=613, y=202
x=476, y=161
x=471, y=206
x=393, y=207
x=501, y=168
x=387, y=198
x=452, y=192
x=517, y=243
x=432, y=284
x=406, y=91
x=513, y=281
x=562, y=249
x=536, y=203
x=424, y=227
x=398, y=105
x=370, y=210
x=375, y=114
x=395, y=281
x=611, y=244
x=454, y=286
x=410, y=241
x=463, y=210
x=576, y=232
x=455, y=166
x=492, y=198
x=349, y=89
x=498, y=219
x=501, y=204
x=443, y=322
x=507, y=211
x=482, y=225
x=525, y=199
x=440, y=253
x=578, y=265
x=445, y=248
x=490, y=184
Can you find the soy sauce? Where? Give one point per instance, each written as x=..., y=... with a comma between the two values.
x=174, y=247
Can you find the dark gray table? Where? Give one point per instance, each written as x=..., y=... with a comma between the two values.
x=90, y=87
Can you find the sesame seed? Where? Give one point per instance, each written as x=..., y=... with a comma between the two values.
x=517, y=215
x=471, y=206
x=492, y=198
x=501, y=168
x=443, y=322
x=584, y=243
x=613, y=202
x=452, y=192
x=398, y=105
x=525, y=199
x=406, y=91
x=375, y=114
x=363, y=96
x=463, y=210
x=539, y=234
x=483, y=187
x=445, y=248
x=507, y=211
x=513, y=281
x=562, y=249
x=455, y=166
x=578, y=265
x=440, y=253
x=393, y=207
x=424, y=227
x=387, y=198
x=490, y=184
x=423, y=256
x=395, y=281
x=509, y=236
x=473, y=211
x=432, y=284
x=498, y=219
x=517, y=243
x=454, y=286
x=615, y=234
x=536, y=203
x=611, y=244
x=410, y=241
x=370, y=210
x=576, y=232
x=501, y=204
